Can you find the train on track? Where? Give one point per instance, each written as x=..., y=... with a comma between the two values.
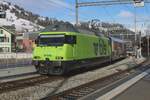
x=62, y=48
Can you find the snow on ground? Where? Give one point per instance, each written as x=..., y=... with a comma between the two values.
x=20, y=24
x=4, y=2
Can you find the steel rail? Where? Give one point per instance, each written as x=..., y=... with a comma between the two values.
x=87, y=88
x=24, y=83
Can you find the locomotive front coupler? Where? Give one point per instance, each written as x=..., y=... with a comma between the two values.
x=49, y=63
x=35, y=62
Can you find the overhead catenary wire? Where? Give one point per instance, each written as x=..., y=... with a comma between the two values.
x=107, y=2
x=85, y=17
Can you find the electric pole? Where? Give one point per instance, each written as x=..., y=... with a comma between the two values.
x=148, y=45
x=135, y=24
x=77, y=13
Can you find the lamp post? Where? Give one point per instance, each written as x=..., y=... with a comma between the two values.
x=137, y=3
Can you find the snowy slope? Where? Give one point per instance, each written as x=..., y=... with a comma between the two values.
x=20, y=24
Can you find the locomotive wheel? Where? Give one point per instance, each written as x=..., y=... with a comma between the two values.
x=41, y=70
x=59, y=70
x=37, y=68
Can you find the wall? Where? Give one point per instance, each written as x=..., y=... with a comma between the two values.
x=15, y=59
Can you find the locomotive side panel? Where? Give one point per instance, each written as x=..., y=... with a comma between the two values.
x=92, y=47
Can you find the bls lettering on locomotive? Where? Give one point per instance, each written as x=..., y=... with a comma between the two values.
x=95, y=45
x=100, y=48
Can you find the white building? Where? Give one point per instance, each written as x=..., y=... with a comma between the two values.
x=5, y=40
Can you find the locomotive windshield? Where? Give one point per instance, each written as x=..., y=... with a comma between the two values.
x=55, y=40
x=51, y=40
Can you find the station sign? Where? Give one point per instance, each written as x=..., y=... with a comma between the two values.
x=138, y=3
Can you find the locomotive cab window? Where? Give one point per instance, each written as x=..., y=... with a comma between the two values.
x=55, y=40
x=70, y=39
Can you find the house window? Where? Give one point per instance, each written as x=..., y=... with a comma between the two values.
x=2, y=39
x=1, y=31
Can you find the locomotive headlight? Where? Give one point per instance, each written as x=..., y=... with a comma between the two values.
x=59, y=57
x=36, y=57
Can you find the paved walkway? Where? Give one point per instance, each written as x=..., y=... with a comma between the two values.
x=139, y=91
x=16, y=71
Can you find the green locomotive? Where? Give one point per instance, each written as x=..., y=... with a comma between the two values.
x=57, y=52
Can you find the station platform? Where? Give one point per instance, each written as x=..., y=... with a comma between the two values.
x=136, y=86
x=139, y=91
x=16, y=71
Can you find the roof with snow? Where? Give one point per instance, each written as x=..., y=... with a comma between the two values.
x=118, y=40
x=7, y=30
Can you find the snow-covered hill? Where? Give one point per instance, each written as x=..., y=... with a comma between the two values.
x=19, y=23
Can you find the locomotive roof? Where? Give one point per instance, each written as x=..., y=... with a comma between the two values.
x=67, y=27
x=60, y=27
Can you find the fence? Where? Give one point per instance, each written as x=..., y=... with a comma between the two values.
x=15, y=59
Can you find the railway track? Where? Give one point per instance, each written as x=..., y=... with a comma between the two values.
x=13, y=85
x=24, y=83
x=88, y=88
